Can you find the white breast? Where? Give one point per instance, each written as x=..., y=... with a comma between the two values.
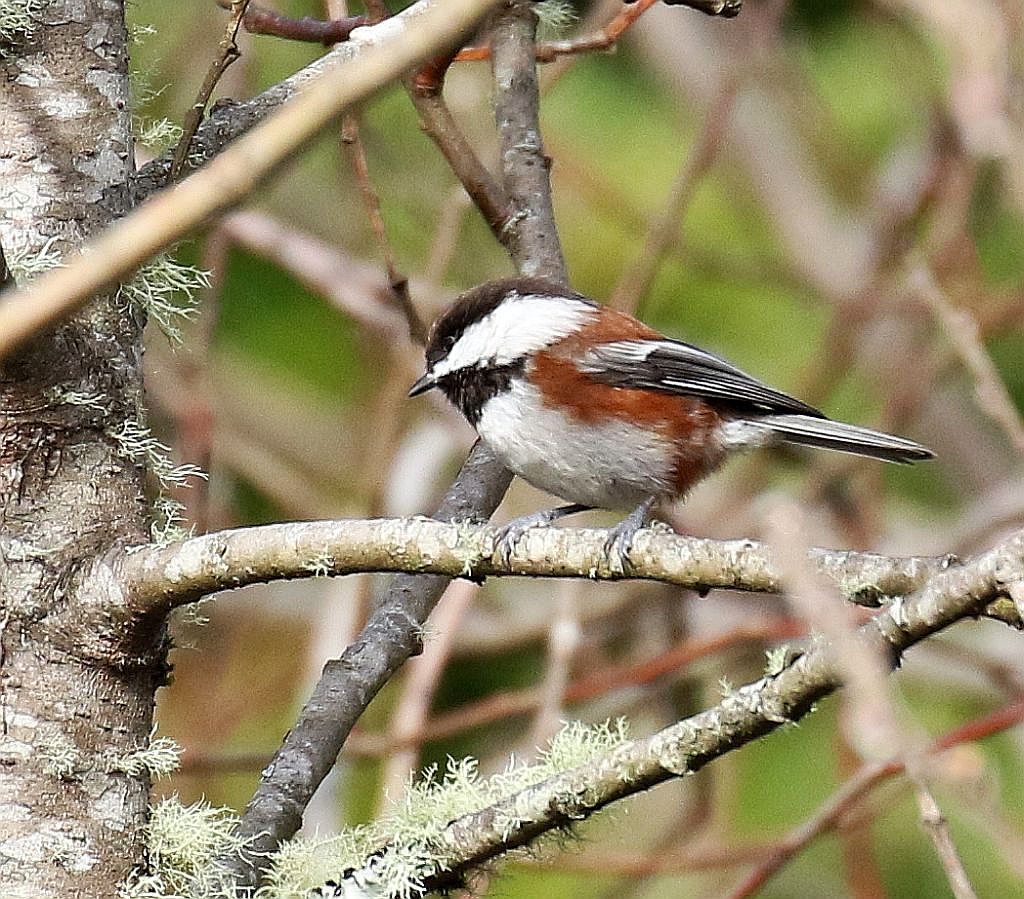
x=612, y=466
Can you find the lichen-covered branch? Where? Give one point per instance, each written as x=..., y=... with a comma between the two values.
x=158, y=578
x=781, y=697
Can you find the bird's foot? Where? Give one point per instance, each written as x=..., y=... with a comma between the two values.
x=620, y=537
x=508, y=536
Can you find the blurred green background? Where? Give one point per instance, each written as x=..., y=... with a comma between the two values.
x=864, y=138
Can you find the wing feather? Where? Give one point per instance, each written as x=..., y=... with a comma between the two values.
x=671, y=366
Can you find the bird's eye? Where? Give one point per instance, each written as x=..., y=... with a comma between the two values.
x=447, y=345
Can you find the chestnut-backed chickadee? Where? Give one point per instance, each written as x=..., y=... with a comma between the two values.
x=595, y=407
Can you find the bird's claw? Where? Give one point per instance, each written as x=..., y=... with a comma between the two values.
x=507, y=537
x=620, y=537
x=618, y=545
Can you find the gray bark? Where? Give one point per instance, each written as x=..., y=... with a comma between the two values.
x=70, y=704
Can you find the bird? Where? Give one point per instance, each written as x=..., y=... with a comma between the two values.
x=593, y=406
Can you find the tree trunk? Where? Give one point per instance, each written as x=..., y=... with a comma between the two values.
x=72, y=701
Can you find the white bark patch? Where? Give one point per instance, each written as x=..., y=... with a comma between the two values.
x=15, y=750
x=196, y=558
x=52, y=842
x=109, y=84
x=101, y=168
x=63, y=106
x=109, y=805
x=11, y=812
x=21, y=722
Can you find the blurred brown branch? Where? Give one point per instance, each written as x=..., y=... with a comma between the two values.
x=509, y=704
x=839, y=806
x=963, y=333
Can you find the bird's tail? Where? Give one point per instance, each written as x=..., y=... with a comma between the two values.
x=836, y=435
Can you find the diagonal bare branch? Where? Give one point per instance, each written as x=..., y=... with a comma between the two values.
x=378, y=55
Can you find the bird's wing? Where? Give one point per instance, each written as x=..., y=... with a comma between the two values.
x=671, y=366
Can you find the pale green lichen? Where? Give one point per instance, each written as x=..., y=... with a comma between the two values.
x=554, y=15
x=168, y=524
x=156, y=135
x=18, y=19
x=26, y=264
x=183, y=843
x=167, y=291
x=137, y=442
x=304, y=864
x=391, y=857
x=395, y=855
x=321, y=564
x=777, y=659
x=60, y=756
x=159, y=758
x=472, y=545
x=84, y=398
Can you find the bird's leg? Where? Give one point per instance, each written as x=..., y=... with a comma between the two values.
x=620, y=537
x=508, y=536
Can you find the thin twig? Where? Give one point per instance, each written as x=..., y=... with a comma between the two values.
x=608, y=36
x=962, y=330
x=229, y=52
x=838, y=806
x=937, y=828
x=399, y=284
x=334, y=29
x=437, y=121
x=549, y=51
x=260, y=20
x=636, y=280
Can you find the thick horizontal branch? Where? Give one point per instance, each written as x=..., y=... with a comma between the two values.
x=159, y=578
x=744, y=715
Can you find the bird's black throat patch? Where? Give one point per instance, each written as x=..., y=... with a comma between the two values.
x=468, y=389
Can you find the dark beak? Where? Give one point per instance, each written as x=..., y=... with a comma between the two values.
x=424, y=384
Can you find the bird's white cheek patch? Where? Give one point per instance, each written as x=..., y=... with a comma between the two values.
x=515, y=329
